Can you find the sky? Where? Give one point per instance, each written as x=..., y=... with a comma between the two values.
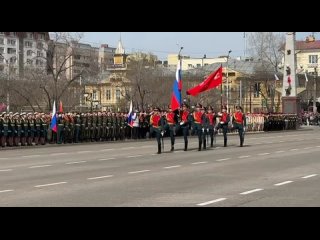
x=195, y=44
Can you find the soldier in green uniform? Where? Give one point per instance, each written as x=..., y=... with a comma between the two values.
x=3, y=129
x=17, y=129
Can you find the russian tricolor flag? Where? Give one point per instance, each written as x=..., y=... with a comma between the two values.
x=177, y=87
x=130, y=116
x=54, y=118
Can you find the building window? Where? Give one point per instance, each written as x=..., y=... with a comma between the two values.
x=13, y=34
x=41, y=36
x=30, y=35
x=206, y=64
x=1, y=33
x=1, y=50
x=1, y=41
x=29, y=53
x=13, y=60
x=257, y=89
x=11, y=51
x=11, y=42
x=108, y=94
x=28, y=44
x=39, y=54
x=189, y=65
x=313, y=59
x=118, y=94
x=39, y=45
x=94, y=95
x=29, y=61
x=198, y=65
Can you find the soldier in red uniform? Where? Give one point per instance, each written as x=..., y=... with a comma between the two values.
x=184, y=122
x=156, y=121
x=224, y=121
x=239, y=123
x=199, y=122
x=171, y=122
x=211, y=124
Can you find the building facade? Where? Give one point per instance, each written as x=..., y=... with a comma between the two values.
x=23, y=49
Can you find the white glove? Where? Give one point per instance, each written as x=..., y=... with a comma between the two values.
x=244, y=129
x=181, y=123
x=221, y=122
x=162, y=133
x=202, y=129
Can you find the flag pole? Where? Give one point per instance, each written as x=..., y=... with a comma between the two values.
x=180, y=72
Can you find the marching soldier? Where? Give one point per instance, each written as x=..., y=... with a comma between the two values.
x=185, y=120
x=224, y=121
x=211, y=124
x=10, y=130
x=170, y=117
x=239, y=123
x=156, y=121
x=197, y=124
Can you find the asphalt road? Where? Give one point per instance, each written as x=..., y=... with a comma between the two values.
x=273, y=169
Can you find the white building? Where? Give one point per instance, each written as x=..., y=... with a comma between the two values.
x=22, y=49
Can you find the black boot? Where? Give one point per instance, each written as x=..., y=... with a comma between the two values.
x=211, y=142
x=205, y=144
x=185, y=146
x=241, y=142
x=200, y=144
x=172, y=148
x=159, y=149
x=225, y=142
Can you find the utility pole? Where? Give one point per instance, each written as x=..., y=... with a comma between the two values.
x=315, y=91
x=228, y=80
x=80, y=93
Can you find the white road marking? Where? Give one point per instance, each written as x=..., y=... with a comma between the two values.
x=93, y=178
x=84, y=151
x=176, y=166
x=154, y=154
x=263, y=154
x=196, y=163
x=279, y=152
x=318, y=146
x=49, y=184
x=294, y=149
x=57, y=154
x=126, y=148
x=258, y=143
x=106, y=150
x=4, y=158
x=244, y=156
x=217, y=147
x=5, y=170
x=178, y=151
x=210, y=202
x=9, y=190
x=310, y=176
x=306, y=148
x=146, y=147
x=223, y=159
x=251, y=191
x=283, y=183
x=134, y=156
x=281, y=141
x=142, y=171
x=69, y=163
x=30, y=156
x=40, y=166
x=269, y=142
x=106, y=159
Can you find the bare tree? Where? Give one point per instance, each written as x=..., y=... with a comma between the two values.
x=59, y=79
x=265, y=47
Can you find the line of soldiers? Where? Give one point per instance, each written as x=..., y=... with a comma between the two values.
x=23, y=128
x=202, y=122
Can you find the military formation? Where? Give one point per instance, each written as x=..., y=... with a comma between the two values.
x=27, y=129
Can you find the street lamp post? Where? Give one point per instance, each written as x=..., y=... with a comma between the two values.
x=227, y=71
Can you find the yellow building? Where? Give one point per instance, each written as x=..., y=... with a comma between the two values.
x=110, y=93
